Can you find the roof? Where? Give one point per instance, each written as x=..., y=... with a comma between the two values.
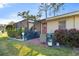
x=62, y=16
x=22, y=21
x=56, y=17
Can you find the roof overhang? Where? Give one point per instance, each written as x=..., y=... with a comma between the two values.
x=63, y=15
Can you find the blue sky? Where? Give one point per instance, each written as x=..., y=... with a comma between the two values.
x=8, y=12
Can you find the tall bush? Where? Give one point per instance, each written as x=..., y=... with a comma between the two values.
x=11, y=30
x=19, y=32
x=68, y=37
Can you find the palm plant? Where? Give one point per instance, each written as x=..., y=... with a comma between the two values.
x=27, y=16
x=35, y=18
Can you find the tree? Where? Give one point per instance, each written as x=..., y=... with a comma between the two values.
x=26, y=16
x=35, y=19
x=44, y=7
x=55, y=7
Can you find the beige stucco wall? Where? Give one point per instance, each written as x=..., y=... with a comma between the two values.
x=53, y=25
x=77, y=22
x=70, y=22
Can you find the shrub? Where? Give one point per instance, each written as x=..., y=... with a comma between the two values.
x=60, y=36
x=10, y=27
x=68, y=37
x=74, y=37
x=3, y=38
x=19, y=33
x=13, y=32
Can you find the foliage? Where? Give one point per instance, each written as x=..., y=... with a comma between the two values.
x=10, y=30
x=15, y=48
x=19, y=32
x=18, y=48
x=48, y=8
x=44, y=7
x=68, y=37
x=55, y=7
x=13, y=32
x=3, y=36
x=10, y=27
x=27, y=16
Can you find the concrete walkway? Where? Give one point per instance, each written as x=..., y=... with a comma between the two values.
x=16, y=39
x=36, y=42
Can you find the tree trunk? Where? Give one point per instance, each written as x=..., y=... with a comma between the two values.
x=27, y=25
x=54, y=12
x=46, y=14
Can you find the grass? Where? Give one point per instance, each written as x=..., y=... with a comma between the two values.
x=18, y=48
x=49, y=51
x=14, y=48
x=3, y=36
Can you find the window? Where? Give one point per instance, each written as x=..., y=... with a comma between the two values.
x=62, y=24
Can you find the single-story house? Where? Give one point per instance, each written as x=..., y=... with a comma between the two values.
x=23, y=24
x=49, y=25
x=65, y=21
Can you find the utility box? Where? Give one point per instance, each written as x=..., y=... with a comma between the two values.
x=49, y=39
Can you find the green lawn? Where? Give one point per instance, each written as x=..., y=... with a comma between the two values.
x=18, y=48
x=15, y=48
x=10, y=47
x=50, y=51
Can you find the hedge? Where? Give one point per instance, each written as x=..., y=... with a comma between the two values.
x=68, y=37
x=13, y=32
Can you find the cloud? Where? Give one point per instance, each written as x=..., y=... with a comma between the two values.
x=2, y=5
x=11, y=17
x=6, y=21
